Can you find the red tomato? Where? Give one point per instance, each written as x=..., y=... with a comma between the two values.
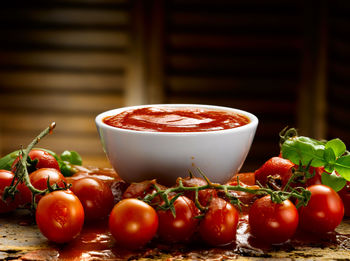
x=220, y=223
x=272, y=222
x=60, y=216
x=246, y=178
x=10, y=204
x=204, y=196
x=133, y=223
x=44, y=160
x=142, y=189
x=324, y=211
x=25, y=194
x=345, y=196
x=38, y=179
x=275, y=167
x=95, y=196
x=180, y=228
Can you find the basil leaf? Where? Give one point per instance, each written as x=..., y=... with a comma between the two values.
x=337, y=146
x=72, y=157
x=6, y=161
x=66, y=168
x=333, y=180
x=304, y=150
x=342, y=166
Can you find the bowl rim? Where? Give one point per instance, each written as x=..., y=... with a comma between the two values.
x=252, y=124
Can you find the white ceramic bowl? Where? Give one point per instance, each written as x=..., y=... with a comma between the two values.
x=142, y=155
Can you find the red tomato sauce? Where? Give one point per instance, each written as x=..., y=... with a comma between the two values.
x=165, y=119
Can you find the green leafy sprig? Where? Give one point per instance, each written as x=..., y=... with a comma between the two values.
x=332, y=155
x=66, y=160
x=22, y=175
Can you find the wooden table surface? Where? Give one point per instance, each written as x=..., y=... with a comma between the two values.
x=25, y=242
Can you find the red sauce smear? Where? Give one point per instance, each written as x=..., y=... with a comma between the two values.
x=164, y=119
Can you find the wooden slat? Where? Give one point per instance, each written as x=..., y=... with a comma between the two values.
x=30, y=123
x=239, y=20
x=62, y=81
x=65, y=16
x=61, y=102
x=51, y=59
x=218, y=84
x=232, y=64
x=66, y=38
x=194, y=41
x=85, y=145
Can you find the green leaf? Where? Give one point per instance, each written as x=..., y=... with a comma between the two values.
x=304, y=150
x=66, y=168
x=6, y=161
x=329, y=155
x=72, y=157
x=333, y=180
x=342, y=166
x=337, y=146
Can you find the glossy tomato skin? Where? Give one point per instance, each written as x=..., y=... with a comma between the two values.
x=95, y=196
x=45, y=159
x=276, y=167
x=324, y=211
x=60, y=216
x=133, y=223
x=38, y=179
x=219, y=224
x=10, y=204
x=180, y=228
x=272, y=222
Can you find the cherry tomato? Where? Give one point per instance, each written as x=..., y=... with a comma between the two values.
x=133, y=223
x=44, y=160
x=247, y=178
x=204, y=196
x=141, y=189
x=95, y=196
x=38, y=179
x=272, y=222
x=276, y=167
x=181, y=227
x=324, y=211
x=60, y=216
x=345, y=196
x=220, y=223
x=10, y=204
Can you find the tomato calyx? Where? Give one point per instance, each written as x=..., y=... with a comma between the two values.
x=22, y=172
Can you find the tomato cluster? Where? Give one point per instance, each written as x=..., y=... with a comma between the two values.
x=208, y=216
x=277, y=223
x=59, y=214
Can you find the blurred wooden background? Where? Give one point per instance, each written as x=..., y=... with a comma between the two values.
x=287, y=61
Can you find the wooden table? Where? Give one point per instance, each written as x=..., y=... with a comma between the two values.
x=25, y=242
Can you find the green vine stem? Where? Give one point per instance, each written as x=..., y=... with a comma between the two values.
x=22, y=175
x=299, y=193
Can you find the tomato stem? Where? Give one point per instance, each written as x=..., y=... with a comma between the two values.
x=276, y=196
x=22, y=175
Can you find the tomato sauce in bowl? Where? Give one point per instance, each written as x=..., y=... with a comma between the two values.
x=168, y=119
x=165, y=141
